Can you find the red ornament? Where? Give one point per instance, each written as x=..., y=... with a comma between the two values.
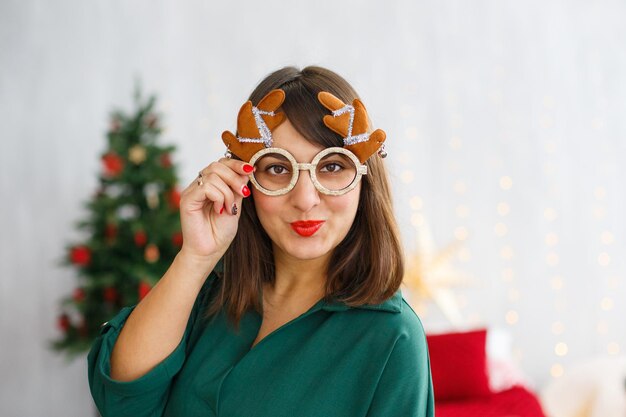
x=173, y=198
x=64, y=322
x=80, y=255
x=140, y=238
x=110, y=294
x=113, y=164
x=166, y=160
x=144, y=289
x=177, y=239
x=79, y=295
x=152, y=253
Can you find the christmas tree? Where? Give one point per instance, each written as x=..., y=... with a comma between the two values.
x=133, y=228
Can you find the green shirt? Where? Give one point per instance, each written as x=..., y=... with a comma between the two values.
x=331, y=361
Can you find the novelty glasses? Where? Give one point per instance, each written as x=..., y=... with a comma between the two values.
x=334, y=171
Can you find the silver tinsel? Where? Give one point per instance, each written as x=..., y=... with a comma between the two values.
x=351, y=140
x=266, y=133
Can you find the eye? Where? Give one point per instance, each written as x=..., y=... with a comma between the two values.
x=332, y=167
x=277, y=169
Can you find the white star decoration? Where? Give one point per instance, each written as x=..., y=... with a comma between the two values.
x=430, y=275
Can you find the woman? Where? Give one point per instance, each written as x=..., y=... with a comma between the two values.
x=284, y=299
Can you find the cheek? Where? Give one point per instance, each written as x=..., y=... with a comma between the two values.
x=347, y=205
x=267, y=210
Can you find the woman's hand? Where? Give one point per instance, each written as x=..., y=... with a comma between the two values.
x=209, y=222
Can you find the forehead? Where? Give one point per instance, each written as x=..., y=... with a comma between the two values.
x=286, y=136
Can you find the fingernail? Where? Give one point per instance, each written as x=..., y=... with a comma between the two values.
x=245, y=191
x=234, y=209
x=248, y=168
x=222, y=209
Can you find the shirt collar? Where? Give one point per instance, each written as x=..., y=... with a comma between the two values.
x=392, y=305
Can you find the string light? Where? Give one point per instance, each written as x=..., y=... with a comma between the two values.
x=503, y=208
x=550, y=147
x=552, y=259
x=411, y=133
x=461, y=233
x=506, y=183
x=511, y=317
x=599, y=193
x=606, y=304
x=462, y=211
x=416, y=203
x=465, y=255
x=460, y=187
x=546, y=121
x=500, y=229
x=417, y=219
x=557, y=370
x=406, y=176
x=560, y=349
x=599, y=212
x=606, y=237
x=552, y=239
x=604, y=259
x=506, y=253
x=455, y=143
x=558, y=328
x=556, y=283
x=613, y=348
x=550, y=214
x=507, y=274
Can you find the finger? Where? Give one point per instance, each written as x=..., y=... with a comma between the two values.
x=236, y=181
x=240, y=167
x=237, y=205
x=210, y=192
x=227, y=193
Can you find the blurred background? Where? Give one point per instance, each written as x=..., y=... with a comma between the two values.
x=506, y=141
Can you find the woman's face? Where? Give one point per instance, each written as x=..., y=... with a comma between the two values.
x=304, y=203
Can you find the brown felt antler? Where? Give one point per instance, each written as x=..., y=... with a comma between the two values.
x=255, y=125
x=350, y=121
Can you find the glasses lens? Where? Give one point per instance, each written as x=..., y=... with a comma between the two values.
x=273, y=171
x=335, y=171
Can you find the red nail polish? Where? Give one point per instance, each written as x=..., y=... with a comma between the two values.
x=245, y=190
x=248, y=168
x=222, y=209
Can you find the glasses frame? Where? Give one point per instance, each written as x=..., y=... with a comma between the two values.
x=311, y=167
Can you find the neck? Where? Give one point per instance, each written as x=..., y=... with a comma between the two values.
x=297, y=280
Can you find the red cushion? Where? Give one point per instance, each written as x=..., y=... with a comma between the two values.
x=458, y=362
x=516, y=401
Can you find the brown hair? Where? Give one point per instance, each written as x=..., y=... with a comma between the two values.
x=367, y=266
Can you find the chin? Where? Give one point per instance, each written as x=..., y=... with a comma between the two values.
x=305, y=250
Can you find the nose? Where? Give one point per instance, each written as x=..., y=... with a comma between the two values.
x=304, y=195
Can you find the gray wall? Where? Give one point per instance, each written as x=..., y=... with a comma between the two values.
x=468, y=92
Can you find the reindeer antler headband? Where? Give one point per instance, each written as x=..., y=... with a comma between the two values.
x=256, y=123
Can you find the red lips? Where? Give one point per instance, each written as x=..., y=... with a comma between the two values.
x=307, y=228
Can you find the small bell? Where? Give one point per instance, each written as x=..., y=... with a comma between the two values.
x=228, y=154
x=382, y=152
